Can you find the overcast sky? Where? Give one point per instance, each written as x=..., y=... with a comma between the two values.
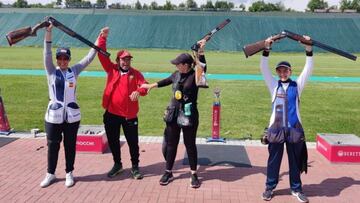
x=298, y=5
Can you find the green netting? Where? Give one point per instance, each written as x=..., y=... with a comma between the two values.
x=179, y=30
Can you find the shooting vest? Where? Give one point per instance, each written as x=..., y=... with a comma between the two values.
x=62, y=106
x=285, y=121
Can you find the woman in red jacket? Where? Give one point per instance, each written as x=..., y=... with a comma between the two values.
x=120, y=100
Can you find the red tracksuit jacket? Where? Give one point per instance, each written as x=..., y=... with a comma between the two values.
x=116, y=97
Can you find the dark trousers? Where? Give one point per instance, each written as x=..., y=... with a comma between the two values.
x=171, y=141
x=54, y=134
x=130, y=127
x=274, y=162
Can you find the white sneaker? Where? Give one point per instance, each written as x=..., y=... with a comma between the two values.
x=69, y=179
x=49, y=178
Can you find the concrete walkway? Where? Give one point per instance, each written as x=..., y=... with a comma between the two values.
x=23, y=166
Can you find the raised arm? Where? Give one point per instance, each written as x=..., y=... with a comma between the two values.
x=308, y=68
x=81, y=65
x=104, y=60
x=48, y=62
x=270, y=80
x=200, y=54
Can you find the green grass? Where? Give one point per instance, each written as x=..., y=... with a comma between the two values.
x=245, y=106
x=157, y=60
x=325, y=107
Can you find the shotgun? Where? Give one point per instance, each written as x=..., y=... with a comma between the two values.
x=312, y=42
x=200, y=78
x=73, y=34
x=22, y=33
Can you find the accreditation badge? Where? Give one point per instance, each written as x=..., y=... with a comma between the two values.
x=71, y=84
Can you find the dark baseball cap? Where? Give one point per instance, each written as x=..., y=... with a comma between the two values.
x=63, y=51
x=183, y=58
x=284, y=64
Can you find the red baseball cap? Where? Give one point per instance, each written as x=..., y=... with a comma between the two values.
x=123, y=54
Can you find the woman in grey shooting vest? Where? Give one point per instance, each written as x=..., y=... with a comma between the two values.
x=62, y=116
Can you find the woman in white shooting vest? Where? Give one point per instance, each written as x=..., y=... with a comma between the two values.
x=285, y=123
x=62, y=118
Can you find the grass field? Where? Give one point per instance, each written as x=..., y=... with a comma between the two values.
x=325, y=107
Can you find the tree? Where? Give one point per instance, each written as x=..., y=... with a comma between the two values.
x=50, y=5
x=85, y=4
x=168, y=5
x=345, y=4
x=126, y=6
x=153, y=5
x=182, y=5
x=114, y=6
x=138, y=5
x=280, y=6
x=242, y=7
x=355, y=4
x=101, y=2
x=223, y=5
x=58, y=2
x=317, y=4
x=145, y=7
x=261, y=6
x=38, y=5
x=21, y=4
x=72, y=1
x=231, y=5
x=1, y=4
x=208, y=5
x=348, y=4
x=191, y=4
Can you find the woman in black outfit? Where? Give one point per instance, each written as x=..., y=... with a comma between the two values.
x=182, y=113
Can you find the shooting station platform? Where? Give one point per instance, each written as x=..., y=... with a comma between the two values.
x=339, y=147
x=91, y=139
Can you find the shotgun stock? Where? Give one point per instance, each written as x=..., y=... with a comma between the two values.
x=312, y=42
x=17, y=35
x=256, y=47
